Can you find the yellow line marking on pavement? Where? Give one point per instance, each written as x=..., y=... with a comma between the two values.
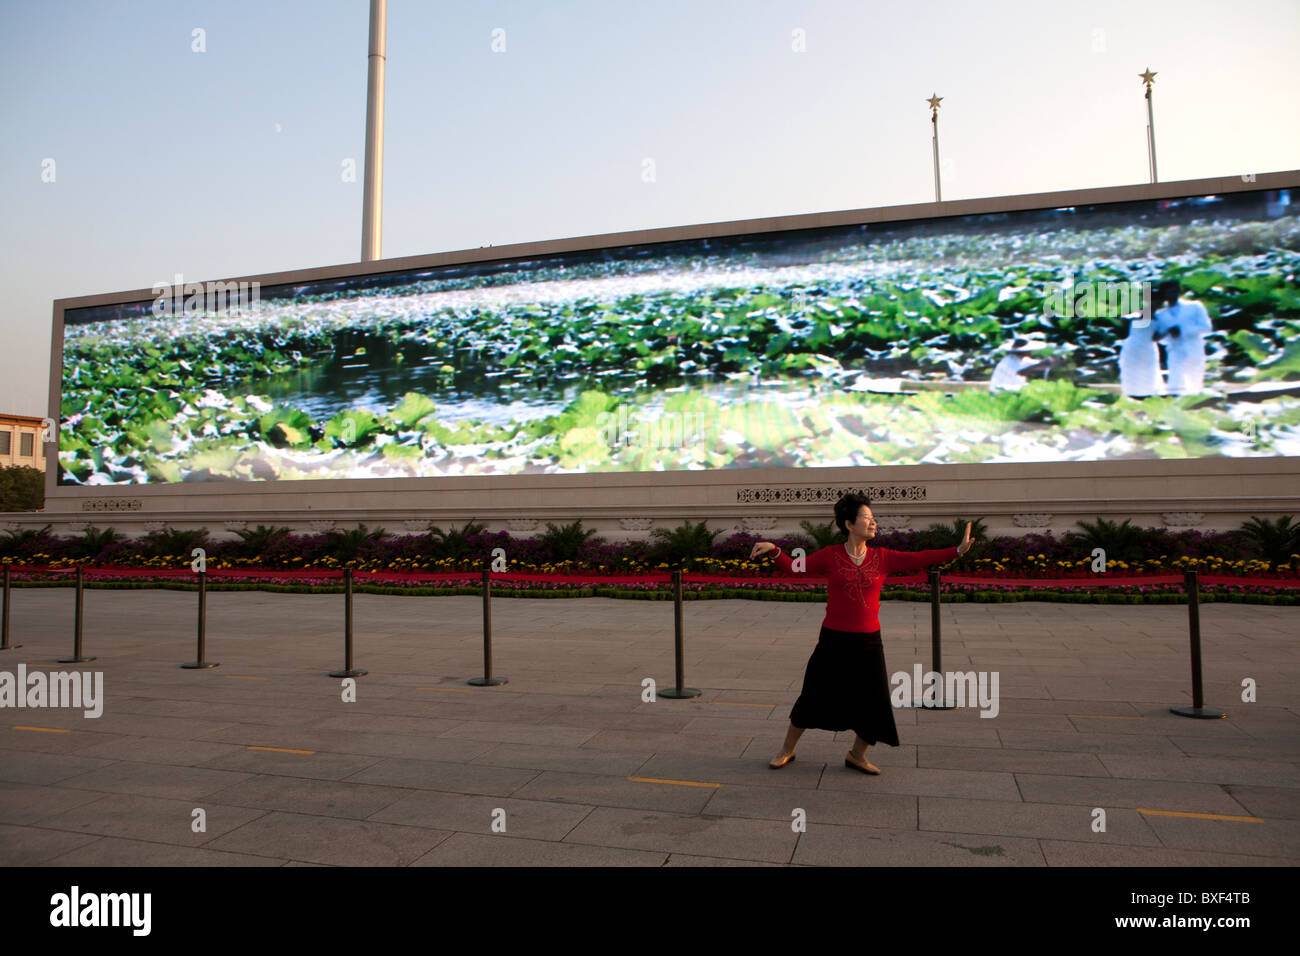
x=732, y=703
x=680, y=783
x=48, y=730
x=1200, y=816
x=454, y=690
x=283, y=750
x=242, y=677
x=1106, y=716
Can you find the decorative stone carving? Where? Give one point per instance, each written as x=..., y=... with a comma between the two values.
x=892, y=522
x=1182, y=519
x=757, y=524
x=154, y=526
x=234, y=525
x=635, y=524
x=1031, y=520
x=416, y=525
x=521, y=525
x=829, y=493
x=112, y=504
x=321, y=525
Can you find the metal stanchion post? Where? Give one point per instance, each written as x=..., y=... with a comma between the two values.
x=199, y=663
x=77, y=657
x=348, y=669
x=679, y=691
x=1198, y=708
x=4, y=624
x=936, y=645
x=487, y=680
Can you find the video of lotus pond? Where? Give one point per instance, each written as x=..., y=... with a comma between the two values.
x=1138, y=330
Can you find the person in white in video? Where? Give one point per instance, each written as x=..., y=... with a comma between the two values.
x=1182, y=325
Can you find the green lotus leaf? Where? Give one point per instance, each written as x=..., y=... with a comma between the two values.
x=285, y=427
x=412, y=409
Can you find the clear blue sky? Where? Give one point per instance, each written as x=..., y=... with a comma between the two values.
x=229, y=162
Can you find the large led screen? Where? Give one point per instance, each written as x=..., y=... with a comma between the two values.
x=1138, y=330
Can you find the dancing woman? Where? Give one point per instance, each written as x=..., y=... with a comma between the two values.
x=845, y=686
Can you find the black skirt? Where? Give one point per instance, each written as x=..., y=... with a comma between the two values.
x=846, y=687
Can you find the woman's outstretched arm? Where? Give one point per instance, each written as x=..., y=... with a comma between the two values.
x=814, y=563
x=896, y=561
x=911, y=560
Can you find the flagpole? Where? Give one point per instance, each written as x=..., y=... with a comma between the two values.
x=1149, y=79
x=934, y=122
x=372, y=209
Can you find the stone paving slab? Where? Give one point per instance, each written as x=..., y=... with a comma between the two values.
x=465, y=778
x=112, y=851
x=413, y=771
x=1025, y=761
x=32, y=846
x=465, y=849
x=719, y=745
x=321, y=766
x=327, y=798
x=762, y=841
x=378, y=745
x=830, y=845
x=649, y=723
x=684, y=859
x=39, y=768
x=803, y=773
x=895, y=811
x=154, y=780
x=1146, y=745
x=609, y=791
x=158, y=750
x=23, y=804
x=967, y=784
x=152, y=819
x=1069, y=853
x=314, y=839
x=611, y=762
x=1058, y=821
x=531, y=818
x=1279, y=803
x=1268, y=838
x=1112, y=792
x=1262, y=773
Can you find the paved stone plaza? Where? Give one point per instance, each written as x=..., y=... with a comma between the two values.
x=582, y=772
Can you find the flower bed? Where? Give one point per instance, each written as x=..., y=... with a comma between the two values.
x=658, y=586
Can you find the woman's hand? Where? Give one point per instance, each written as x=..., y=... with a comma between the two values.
x=965, y=542
x=763, y=547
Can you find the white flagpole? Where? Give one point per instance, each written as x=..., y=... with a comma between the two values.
x=934, y=122
x=1149, y=78
x=372, y=209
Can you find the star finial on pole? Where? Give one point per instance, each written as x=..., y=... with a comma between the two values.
x=934, y=102
x=1148, y=77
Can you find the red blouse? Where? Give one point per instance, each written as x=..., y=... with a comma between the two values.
x=853, y=590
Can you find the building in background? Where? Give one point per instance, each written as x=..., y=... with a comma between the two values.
x=20, y=441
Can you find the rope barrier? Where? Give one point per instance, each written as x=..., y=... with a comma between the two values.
x=1190, y=580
